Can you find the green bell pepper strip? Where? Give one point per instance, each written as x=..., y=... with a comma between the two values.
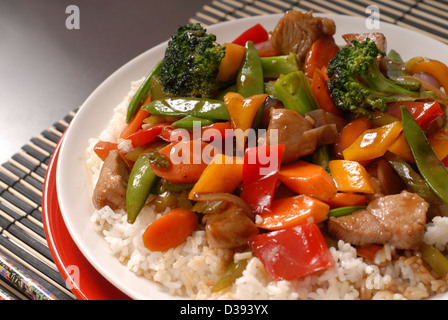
x=232, y=272
x=250, y=79
x=430, y=167
x=141, y=181
x=191, y=122
x=181, y=107
x=435, y=259
x=294, y=91
x=142, y=92
x=274, y=67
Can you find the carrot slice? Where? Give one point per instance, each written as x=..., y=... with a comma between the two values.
x=347, y=199
x=320, y=54
x=306, y=178
x=368, y=252
x=350, y=133
x=136, y=121
x=322, y=93
x=170, y=230
x=187, y=159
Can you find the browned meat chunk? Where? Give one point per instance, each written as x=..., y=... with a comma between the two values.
x=395, y=219
x=110, y=189
x=360, y=228
x=229, y=229
x=289, y=126
x=297, y=134
x=377, y=37
x=296, y=31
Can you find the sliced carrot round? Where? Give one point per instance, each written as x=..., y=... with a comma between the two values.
x=170, y=230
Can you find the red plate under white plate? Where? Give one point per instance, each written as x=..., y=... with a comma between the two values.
x=85, y=281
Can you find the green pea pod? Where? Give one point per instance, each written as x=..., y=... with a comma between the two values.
x=416, y=184
x=250, y=79
x=191, y=122
x=344, y=211
x=141, y=181
x=176, y=187
x=142, y=92
x=430, y=167
x=181, y=107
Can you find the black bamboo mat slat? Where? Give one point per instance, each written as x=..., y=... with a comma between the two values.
x=22, y=236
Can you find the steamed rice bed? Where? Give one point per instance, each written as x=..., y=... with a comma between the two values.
x=191, y=269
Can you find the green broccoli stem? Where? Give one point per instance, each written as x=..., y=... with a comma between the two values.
x=274, y=67
x=294, y=91
x=396, y=72
x=375, y=80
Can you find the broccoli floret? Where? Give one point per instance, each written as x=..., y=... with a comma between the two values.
x=357, y=84
x=191, y=62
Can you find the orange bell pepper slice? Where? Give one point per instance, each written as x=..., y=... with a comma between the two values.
x=223, y=174
x=439, y=143
x=373, y=143
x=231, y=62
x=350, y=176
x=294, y=211
x=436, y=68
x=242, y=112
x=350, y=133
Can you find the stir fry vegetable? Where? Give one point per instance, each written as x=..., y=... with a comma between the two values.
x=273, y=155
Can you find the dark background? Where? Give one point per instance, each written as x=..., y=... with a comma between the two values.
x=47, y=70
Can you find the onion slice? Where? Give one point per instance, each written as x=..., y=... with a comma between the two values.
x=228, y=197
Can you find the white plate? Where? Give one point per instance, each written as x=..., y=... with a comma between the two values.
x=95, y=113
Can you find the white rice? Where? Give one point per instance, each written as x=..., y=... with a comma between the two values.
x=191, y=269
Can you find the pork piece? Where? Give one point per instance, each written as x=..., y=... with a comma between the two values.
x=110, y=190
x=395, y=219
x=296, y=31
x=288, y=127
x=297, y=134
x=360, y=228
x=377, y=37
x=229, y=229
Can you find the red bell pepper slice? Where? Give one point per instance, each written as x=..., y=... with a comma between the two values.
x=423, y=112
x=292, y=253
x=146, y=135
x=260, y=176
x=256, y=34
x=265, y=49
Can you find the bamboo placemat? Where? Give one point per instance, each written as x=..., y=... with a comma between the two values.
x=27, y=269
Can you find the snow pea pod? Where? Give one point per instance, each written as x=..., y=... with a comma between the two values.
x=250, y=79
x=141, y=181
x=430, y=167
x=191, y=122
x=181, y=107
x=142, y=92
